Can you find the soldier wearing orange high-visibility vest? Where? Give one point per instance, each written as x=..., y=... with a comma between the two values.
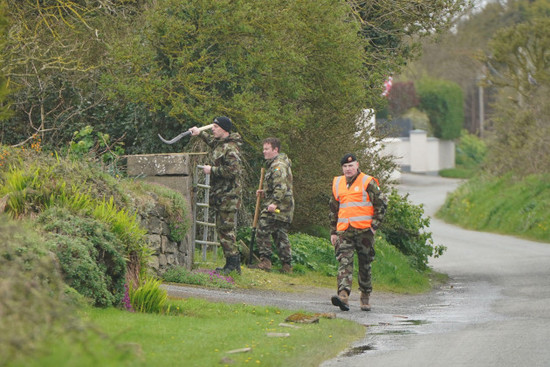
x=357, y=208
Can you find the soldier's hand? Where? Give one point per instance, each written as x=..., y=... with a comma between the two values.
x=333, y=239
x=272, y=208
x=260, y=193
x=207, y=169
x=195, y=131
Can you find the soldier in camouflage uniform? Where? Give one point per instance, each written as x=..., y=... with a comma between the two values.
x=225, y=170
x=278, y=209
x=357, y=209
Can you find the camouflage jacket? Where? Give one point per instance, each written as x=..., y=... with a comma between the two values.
x=376, y=197
x=278, y=188
x=227, y=169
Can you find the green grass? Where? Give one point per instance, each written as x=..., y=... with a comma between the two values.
x=203, y=334
x=507, y=205
x=91, y=349
x=391, y=272
x=458, y=172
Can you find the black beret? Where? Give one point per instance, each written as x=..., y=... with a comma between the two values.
x=348, y=158
x=224, y=123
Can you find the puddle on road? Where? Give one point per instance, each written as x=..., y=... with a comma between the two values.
x=355, y=351
x=414, y=322
x=394, y=332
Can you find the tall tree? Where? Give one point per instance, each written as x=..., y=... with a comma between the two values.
x=53, y=56
x=519, y=68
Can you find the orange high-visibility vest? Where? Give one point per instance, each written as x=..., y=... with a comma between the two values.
x=355, y=206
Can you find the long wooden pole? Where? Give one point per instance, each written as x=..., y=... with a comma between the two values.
x=256, y=216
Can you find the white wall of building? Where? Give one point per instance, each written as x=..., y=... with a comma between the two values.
x=420, y=153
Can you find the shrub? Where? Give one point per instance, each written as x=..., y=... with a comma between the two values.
x=90, y=255
x=32, y=307
x=443, y=101
x=148, y=296
x=313, y=253
x=404, y=227
x=470, y=150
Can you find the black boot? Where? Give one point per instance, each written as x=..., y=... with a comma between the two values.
x=231, y=263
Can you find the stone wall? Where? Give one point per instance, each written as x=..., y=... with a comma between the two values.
x=172, y=170
x=166, y=252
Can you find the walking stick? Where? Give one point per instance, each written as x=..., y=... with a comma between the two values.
x=256, y=215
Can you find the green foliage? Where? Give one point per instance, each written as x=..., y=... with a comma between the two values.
x=457, y=172
x=278, y=68
x=470, y=151
x=405, y=227
x=483, y=203
x=122, y=223
x=90, y=255
x=32, y=302
x=470, y=156
x=443, y=102
x=520, y=139
x=392, y=270
x=520, y=70
x=149, y=297
x=177, y=210
x=100, y=146
x=198, y=277
x=313, y=253
x=39, y=182
x=26, y=190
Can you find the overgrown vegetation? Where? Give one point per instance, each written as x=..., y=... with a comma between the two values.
x=483, y=203
x=89, y=219
x=91, y=257
x=38, y=309
x=442, y=101
x=405, y=227
x=471, y=152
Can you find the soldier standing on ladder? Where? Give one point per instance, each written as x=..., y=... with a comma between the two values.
x=225, y=168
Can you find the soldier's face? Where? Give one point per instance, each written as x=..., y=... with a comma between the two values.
x=270, y=152
x=350, y=169
x=218, y=132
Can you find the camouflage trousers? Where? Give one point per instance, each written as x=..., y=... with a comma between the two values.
x=269, y=227
x=226, y=227
x=350, y=241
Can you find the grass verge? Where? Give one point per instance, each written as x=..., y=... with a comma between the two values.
x=205, y=334
x=507, y=205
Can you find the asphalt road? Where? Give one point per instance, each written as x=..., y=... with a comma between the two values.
x=494, y=311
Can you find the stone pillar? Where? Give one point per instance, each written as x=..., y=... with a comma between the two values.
x=419, y=150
